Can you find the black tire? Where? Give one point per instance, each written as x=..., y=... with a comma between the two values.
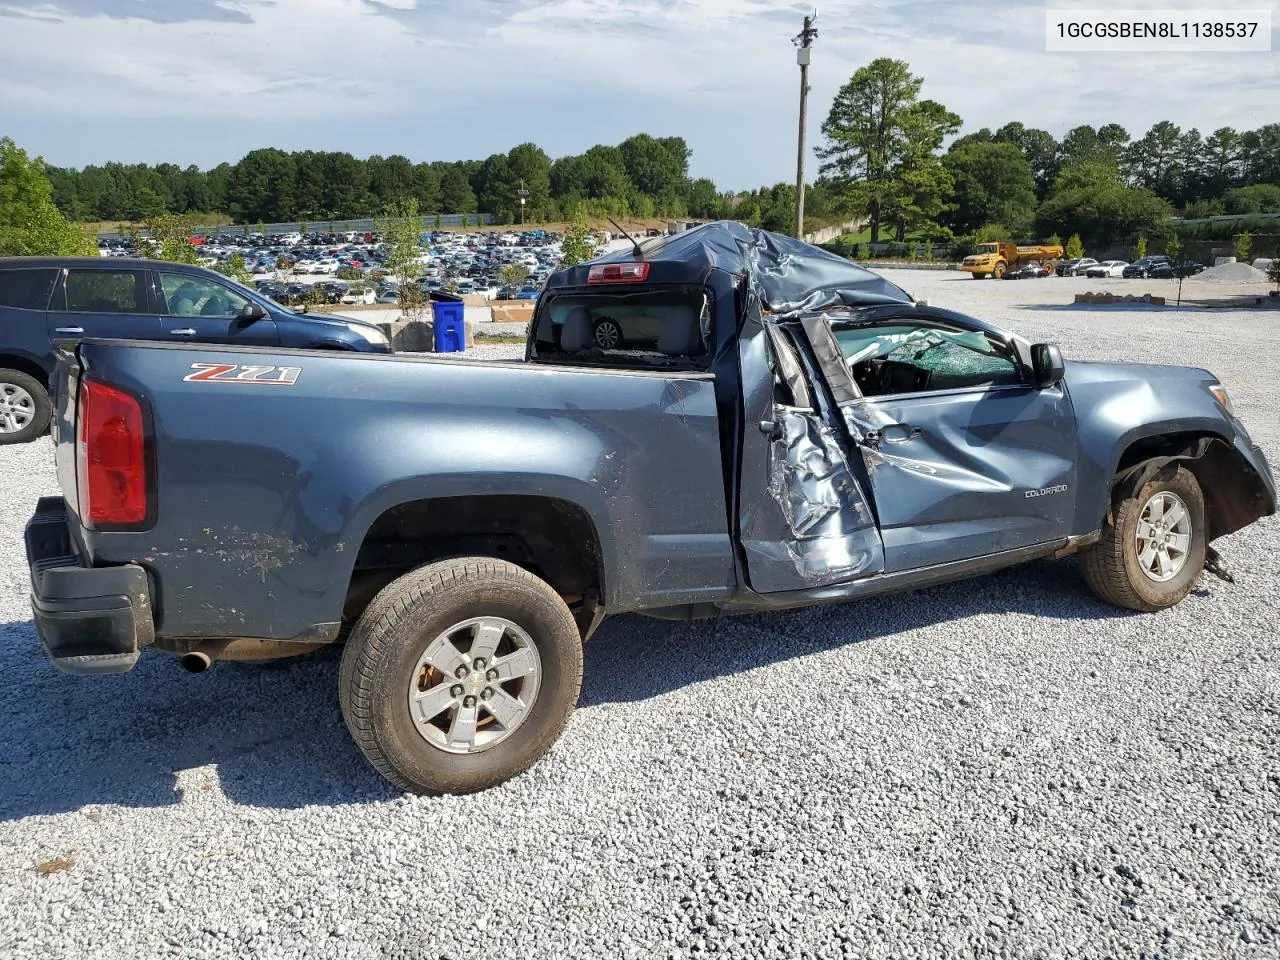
x=387, y=643
x=39, y=408
x=607, y=334
x=1111, y=566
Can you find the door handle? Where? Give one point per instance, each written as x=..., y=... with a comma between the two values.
x=69, y=330
x=893, y=433
x=183, y=332
x=899, y=433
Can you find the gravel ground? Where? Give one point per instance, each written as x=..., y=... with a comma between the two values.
x=1000, y=768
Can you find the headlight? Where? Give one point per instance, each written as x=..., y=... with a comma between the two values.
x=369, y=334
x=1220, y=394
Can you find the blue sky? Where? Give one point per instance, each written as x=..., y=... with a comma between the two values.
x=202, y=81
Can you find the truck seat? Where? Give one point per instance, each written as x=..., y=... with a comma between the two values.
x=576, y=334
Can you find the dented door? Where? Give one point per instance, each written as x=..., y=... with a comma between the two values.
x=960, y=473
x=803, y=519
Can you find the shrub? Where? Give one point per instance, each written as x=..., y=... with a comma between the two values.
x=1244, y=243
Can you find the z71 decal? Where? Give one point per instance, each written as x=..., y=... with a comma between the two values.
x=243, y=373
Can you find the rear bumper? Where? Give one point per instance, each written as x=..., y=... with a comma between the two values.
x=90, y=619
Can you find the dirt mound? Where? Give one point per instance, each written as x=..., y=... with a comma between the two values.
x=1233, y=272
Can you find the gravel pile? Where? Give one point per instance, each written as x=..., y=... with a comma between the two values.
x=1231, y=272
x=999, y=768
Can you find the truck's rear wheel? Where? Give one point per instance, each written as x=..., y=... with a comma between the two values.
x=24, y=407
x=1151, y=555
x=460, y=675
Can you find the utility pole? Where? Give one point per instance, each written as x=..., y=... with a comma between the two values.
x=804, y=48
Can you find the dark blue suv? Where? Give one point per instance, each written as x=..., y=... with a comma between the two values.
x=43, y=299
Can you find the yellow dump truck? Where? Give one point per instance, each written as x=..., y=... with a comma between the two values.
x=997, y=259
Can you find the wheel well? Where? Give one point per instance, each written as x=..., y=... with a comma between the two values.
x=1234, y=494
x=553, y=539
x=23, y=365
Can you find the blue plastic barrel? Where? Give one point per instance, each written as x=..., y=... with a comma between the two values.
x=449, y=322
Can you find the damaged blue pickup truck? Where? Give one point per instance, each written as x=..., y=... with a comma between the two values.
x=718, y=422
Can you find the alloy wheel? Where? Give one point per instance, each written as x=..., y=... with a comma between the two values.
x=474, y=685
x=17, y=408
x=1163, y=537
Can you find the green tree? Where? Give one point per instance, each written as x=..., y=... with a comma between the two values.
x=881, y=143
x=1075, y=248
x=165, y=237
x=1244, y=244
x=236, y=269
x=402, y=234
x=1196, y=209
x=1273, y=272
x=514, y=274
x=704, y=201
x=496, y=186
x=992, y=183
x=577, y=246
x=531, y=167
x=1102, y=211
x=1255, y=198
x=393, y=179
x=1140, y=248
x=1040, y=150
x=261, y=187
x=455, y=190
x=1219, y=166
x=1181, y=268
x=1260, y=155
x=30, y=222
x=656, y=166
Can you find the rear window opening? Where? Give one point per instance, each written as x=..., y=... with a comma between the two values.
x=665, y=329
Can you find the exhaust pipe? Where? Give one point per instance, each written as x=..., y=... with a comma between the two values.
x=201, y=658
x=197, y=662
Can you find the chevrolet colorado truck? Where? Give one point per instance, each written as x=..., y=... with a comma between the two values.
x=719, y=422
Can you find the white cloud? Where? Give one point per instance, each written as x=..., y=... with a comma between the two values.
x=205, y=80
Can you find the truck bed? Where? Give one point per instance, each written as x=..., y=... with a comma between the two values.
x=271, y=467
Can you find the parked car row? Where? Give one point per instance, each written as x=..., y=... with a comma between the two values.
x=1157, y=266
x=470, y=263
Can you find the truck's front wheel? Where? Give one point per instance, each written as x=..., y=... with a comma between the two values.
x=1153, y=550
x=460, y=675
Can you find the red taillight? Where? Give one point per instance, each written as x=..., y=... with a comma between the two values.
x=618, y=273
x=111, y=460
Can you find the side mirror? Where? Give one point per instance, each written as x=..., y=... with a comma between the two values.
x=1046, y=361
x=251, y=312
